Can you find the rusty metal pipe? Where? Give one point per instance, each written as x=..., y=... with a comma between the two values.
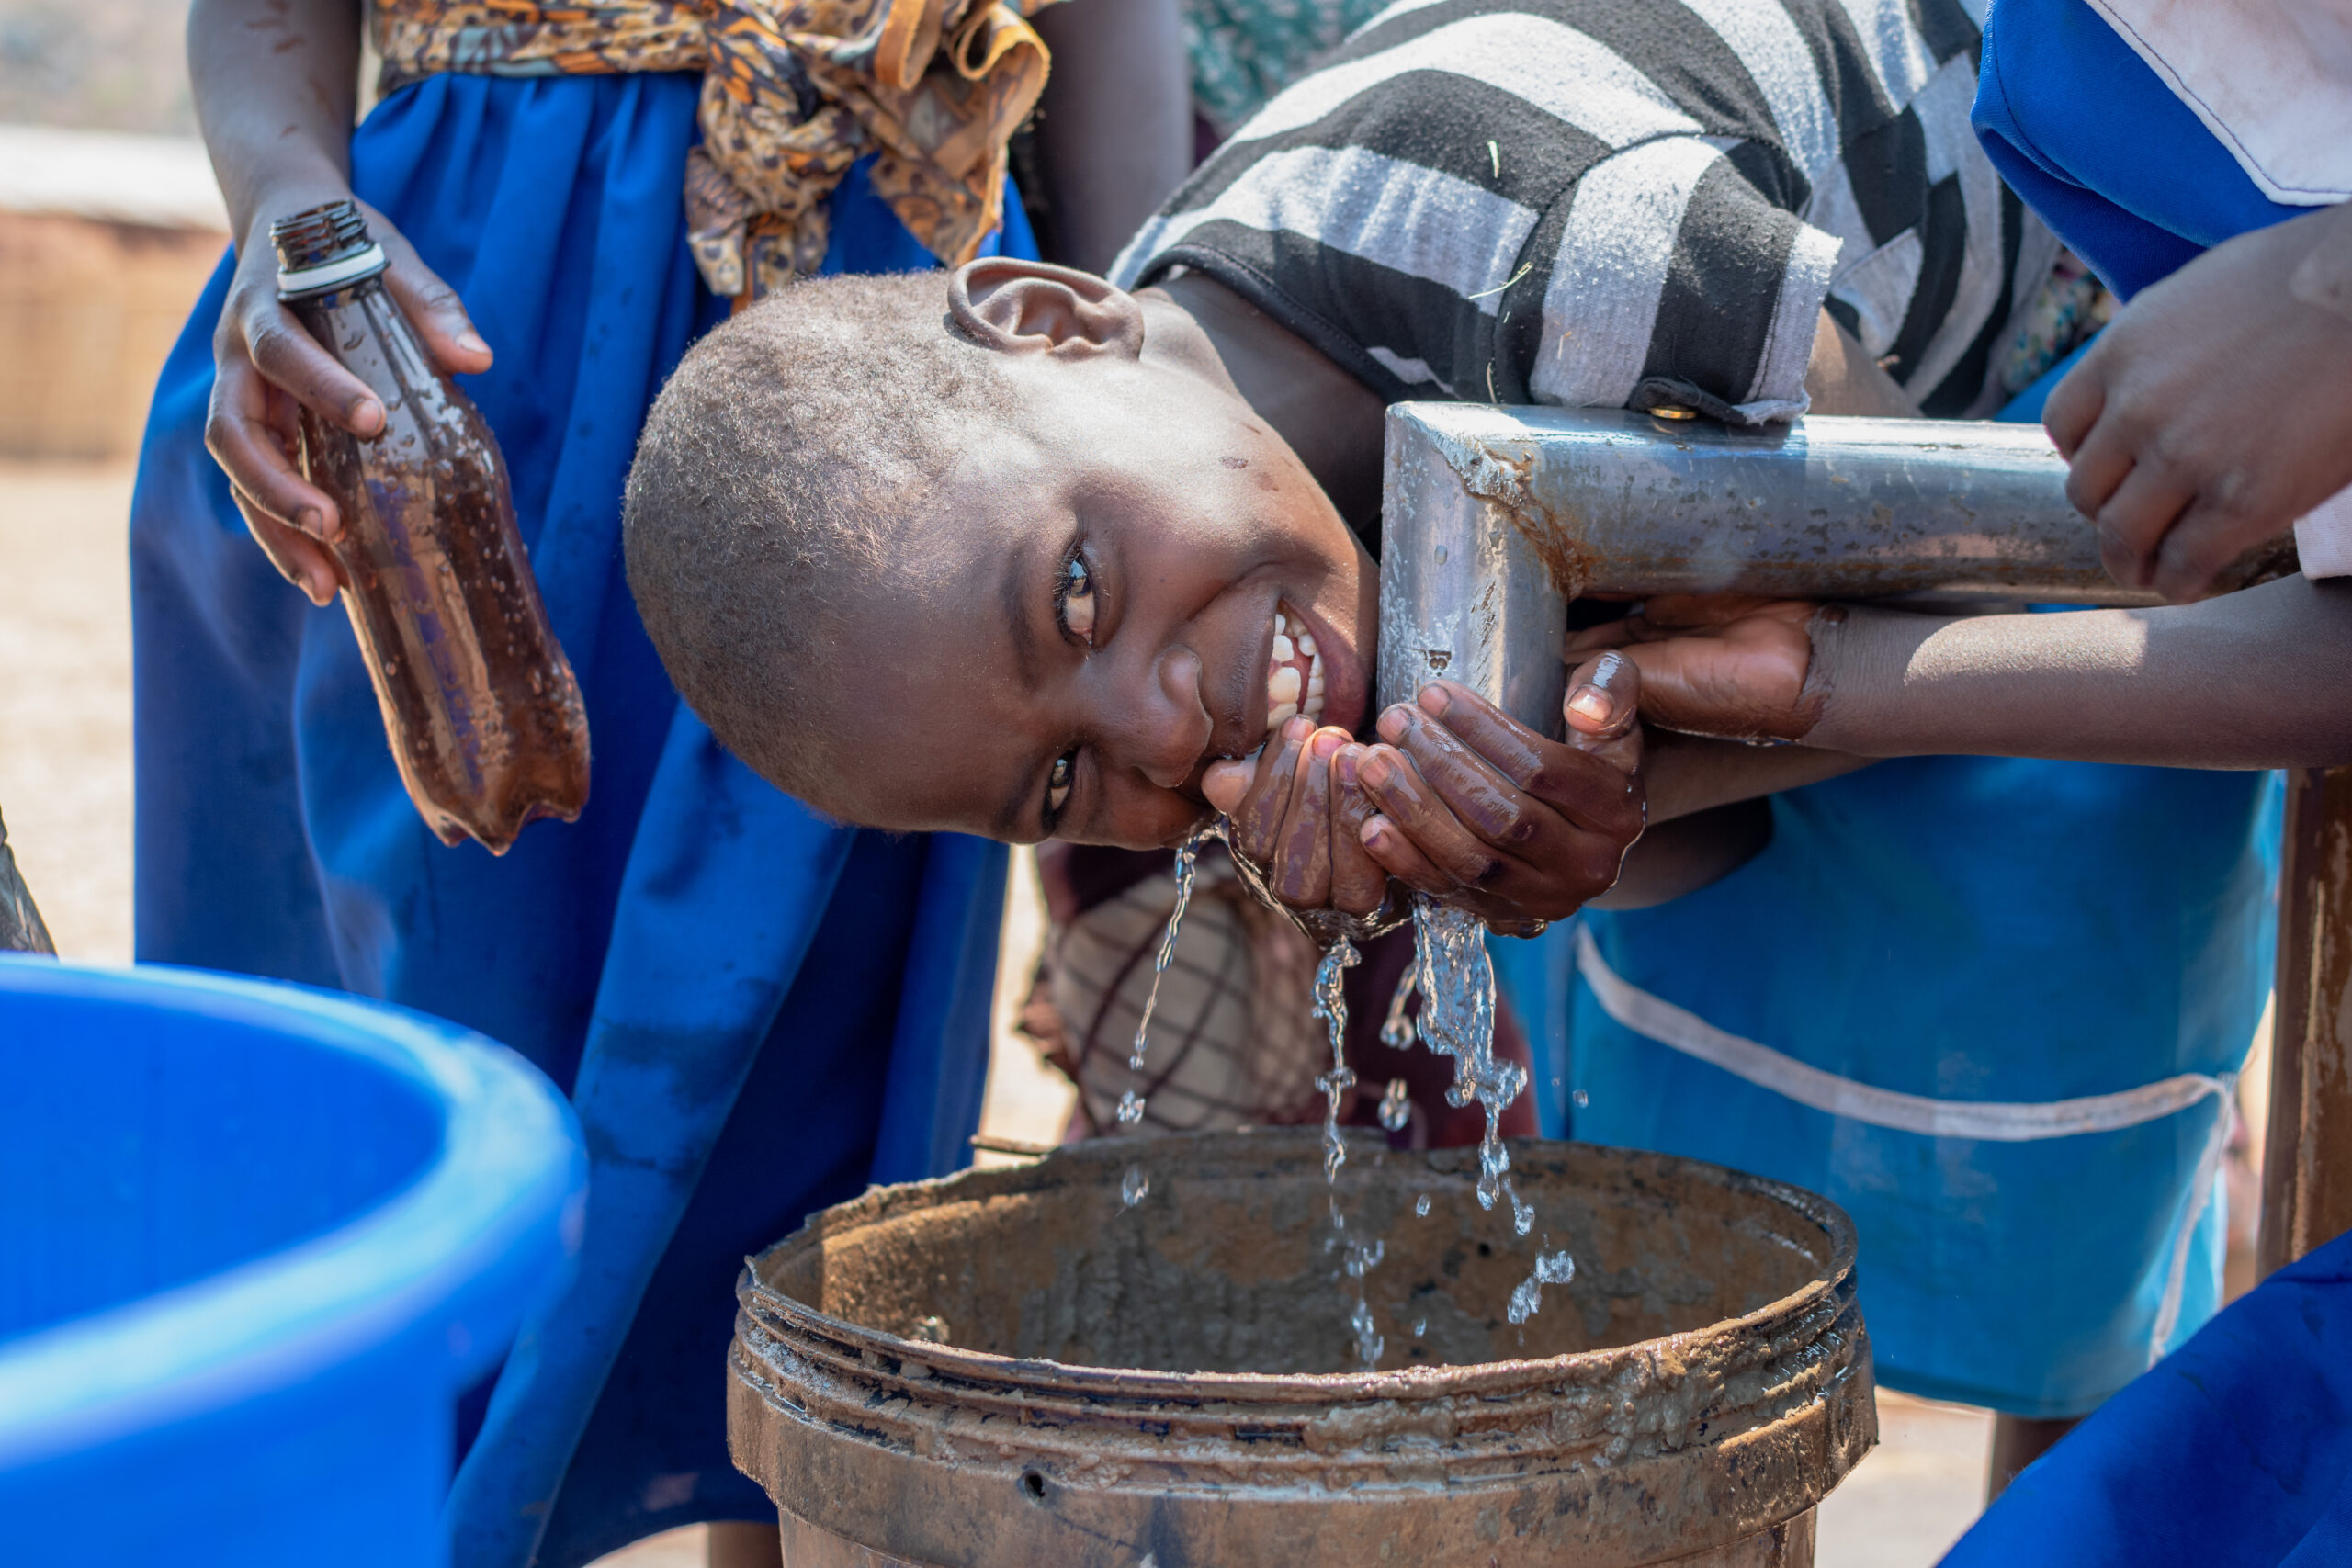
x=1494, y=518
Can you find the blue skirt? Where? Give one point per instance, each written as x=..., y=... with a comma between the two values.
x=2236, y=1448
x=646, y=956
x=1974, y=940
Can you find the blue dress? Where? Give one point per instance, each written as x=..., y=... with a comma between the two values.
x=2237, y=1448
x=1959, y=943
x=757, y=1012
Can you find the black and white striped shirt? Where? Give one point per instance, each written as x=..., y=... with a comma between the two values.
x=1614, y=202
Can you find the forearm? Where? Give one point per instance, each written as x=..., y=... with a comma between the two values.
x=2258, y=679
x=275, y=86
x=1688, y=773
x=1114, y=128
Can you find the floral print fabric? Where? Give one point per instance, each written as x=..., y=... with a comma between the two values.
x=794, y=91
x=1244, y=51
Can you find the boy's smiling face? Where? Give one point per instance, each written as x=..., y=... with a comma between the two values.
x=1121, y=588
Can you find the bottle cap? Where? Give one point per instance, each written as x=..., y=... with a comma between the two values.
x=325, y=248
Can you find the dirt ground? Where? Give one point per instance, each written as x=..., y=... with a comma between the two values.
x=65, y=698
x=65, y=791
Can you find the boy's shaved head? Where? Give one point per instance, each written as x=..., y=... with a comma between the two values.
x=1000, y=551
x=777, y=477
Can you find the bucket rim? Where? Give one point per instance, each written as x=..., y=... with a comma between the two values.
x=769, y=1308
x=449, y=1252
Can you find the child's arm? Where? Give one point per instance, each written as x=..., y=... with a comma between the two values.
x=2259, y=678
x=2217, y=409
x=275, y=83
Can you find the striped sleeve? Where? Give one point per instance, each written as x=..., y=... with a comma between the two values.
x=1677, y=281
x=1620, y=202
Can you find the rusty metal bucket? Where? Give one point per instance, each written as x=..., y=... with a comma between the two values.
x=1011, y=1369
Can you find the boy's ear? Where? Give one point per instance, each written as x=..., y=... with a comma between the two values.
x=1025, y=307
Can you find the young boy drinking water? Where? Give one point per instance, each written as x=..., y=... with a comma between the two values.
x=1026, y=553
x=1548, y=201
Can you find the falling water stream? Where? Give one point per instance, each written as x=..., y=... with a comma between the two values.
x=1452, y=970
x=1135, y=1184
x=1456, y=980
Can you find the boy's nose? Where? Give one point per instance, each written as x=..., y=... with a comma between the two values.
x=1168, y=729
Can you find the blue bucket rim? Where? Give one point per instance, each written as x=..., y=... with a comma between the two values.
x=437, y=1254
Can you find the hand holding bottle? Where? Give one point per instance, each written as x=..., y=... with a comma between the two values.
x=267, y=367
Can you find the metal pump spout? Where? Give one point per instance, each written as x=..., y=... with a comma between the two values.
x=1495, y=518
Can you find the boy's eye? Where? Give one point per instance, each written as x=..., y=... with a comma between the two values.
x=1076, y=597
x=1058, y=782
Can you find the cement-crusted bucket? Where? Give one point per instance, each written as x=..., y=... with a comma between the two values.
x=1012, y=1368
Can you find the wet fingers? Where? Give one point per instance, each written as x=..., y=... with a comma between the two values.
x=1257, y=825
x=1301, y=871
x=1359, y=882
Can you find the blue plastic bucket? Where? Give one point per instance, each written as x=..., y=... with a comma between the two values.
x=254, y=1239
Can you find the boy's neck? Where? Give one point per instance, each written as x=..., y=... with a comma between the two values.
x=1331, y=420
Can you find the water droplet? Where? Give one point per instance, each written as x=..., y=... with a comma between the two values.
x=1130, y=1109
x=1556, y=1269
x=1421, y=1205
x=1580, y=1099
x=1420, y=1327
x=1369, y=1344
x=1395, y=1112
x=1133, y=1186
x=1397, y=1029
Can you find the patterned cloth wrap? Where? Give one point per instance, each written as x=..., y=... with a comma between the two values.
x=1244, y=51
x=794, y=93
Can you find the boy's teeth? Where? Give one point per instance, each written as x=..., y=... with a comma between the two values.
x=1290, y=690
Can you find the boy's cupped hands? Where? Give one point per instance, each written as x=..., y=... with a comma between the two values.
x=1456, y=800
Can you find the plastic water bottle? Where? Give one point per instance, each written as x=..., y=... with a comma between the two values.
x=480, y=705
